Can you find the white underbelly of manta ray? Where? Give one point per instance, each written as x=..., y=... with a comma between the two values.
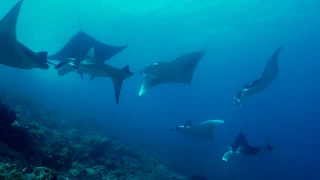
x=94, y=71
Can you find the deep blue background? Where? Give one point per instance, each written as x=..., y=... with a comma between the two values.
x=239, y=37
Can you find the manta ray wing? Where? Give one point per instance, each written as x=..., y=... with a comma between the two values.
x=79, y=45
x=240, y=142
x=271, y=70
x=207, y=127
x=12, y=52
x=8, y=23
x=184, y=66
x=145, y=86
x=39, y=58
x=267, y=147
x=103, y=52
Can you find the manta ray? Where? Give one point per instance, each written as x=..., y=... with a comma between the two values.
x=241, y=146
x=96, y=69
x=79, y=45
x=12, y=52
x=202, y=130
x=270, y=73
x=180, y=70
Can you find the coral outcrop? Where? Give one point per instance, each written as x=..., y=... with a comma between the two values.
x=36, y=144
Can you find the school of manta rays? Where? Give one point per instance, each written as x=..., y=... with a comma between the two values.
x=84, y=54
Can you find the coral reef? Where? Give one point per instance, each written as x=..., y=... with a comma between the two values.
x=7, y=115
x=36, y=144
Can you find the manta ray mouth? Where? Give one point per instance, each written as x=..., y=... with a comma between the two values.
x=144, y=71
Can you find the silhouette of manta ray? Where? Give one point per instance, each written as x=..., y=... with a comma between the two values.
x=79, y=45
x=180, y=70
x=270, y=73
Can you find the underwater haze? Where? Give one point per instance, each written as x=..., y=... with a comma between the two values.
x=239, y=37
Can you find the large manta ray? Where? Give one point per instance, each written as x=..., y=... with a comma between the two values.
x=180, y=70
x=12, y=52
x=241, y=146
x=96, y=69
x=79, y=45
x=202, y=130
x=270, y=73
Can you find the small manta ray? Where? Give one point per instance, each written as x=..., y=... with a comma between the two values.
x=79, y=45
x=241, y=146
x=12, y=52
x=95, y=69
x=180, y=70
x=202, y=130
x=270, y=73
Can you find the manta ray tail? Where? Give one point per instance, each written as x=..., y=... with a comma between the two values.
x=11, y=18
x=117, y=82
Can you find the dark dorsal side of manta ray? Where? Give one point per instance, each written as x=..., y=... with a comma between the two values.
x=96, y=69
x=180, y=70
x=79, y=45
x=12, y=52
x=270, y=73
x=241, y=146
x=202, y=130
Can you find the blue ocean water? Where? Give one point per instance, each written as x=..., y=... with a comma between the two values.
x=239, y=37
